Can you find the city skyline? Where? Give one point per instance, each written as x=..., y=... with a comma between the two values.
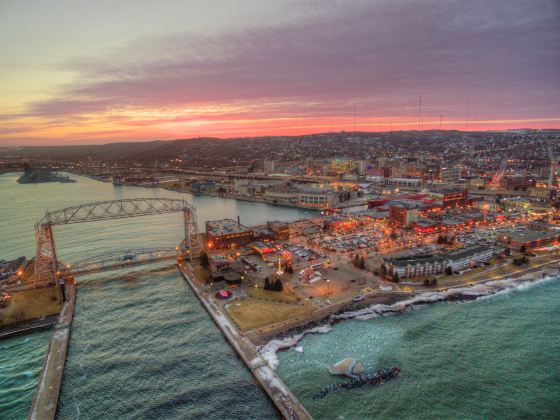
x=75, y=73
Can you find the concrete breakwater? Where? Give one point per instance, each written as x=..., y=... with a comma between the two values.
x=45, y=400
x=286, y=403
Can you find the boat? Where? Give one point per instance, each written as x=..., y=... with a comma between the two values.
x=357, y=381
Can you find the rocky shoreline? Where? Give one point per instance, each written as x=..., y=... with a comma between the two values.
x=292, y=337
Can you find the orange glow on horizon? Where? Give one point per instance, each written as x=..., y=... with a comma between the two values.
x=224, y=122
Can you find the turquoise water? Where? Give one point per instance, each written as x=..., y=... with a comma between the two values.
x=21, y=359
x=498, y=357
x=141, y=346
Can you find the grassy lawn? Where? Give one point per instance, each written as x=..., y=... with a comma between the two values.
x=31, y=304
x=251, y=313
x=259, y=293
x=201, y=273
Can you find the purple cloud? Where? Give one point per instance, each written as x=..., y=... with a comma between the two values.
x=503, y=56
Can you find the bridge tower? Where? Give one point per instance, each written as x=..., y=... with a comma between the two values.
x=193, y=246
x=46, y=263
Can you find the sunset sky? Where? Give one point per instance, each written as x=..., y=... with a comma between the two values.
x=76, y=72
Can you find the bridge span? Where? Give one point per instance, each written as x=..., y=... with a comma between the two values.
x=48, y=269
x=115, y=259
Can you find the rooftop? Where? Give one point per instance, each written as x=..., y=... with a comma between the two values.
x=528, y=235
x=467, y=252
x=225, y=227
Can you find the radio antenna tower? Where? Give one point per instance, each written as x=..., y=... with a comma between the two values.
x=467, y=120
x=420, y=113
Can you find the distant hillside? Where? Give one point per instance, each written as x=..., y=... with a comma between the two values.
x=213, y=152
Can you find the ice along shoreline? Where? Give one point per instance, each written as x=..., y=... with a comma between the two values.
x=481, y=290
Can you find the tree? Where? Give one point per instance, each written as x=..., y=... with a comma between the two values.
x=449, y=271
x=393, y=236
x=521, y=261
x=277, y=286
x=356, y=261
x=266, y=284
x=204, y=259
x=362, y=263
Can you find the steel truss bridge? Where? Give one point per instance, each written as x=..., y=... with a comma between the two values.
x=118, y=259
x=48, y=270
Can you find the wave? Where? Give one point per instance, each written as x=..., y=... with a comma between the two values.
x=269, y=350
x=468, y=293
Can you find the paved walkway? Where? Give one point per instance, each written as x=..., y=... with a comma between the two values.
x=279, y=393
x=45, y=400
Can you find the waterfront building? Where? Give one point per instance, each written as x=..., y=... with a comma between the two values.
x=281, y=230
x=410, y=267
x=326, y=198
x=252, y=188
x=227, y=233
x=469, y=255
x=263, y=234
x=432, y=264
x=311, y=197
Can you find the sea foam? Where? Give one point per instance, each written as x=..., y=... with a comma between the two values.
x=478, y=291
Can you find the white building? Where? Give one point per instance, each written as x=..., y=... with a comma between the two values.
x=425, y=265
x=402, y=182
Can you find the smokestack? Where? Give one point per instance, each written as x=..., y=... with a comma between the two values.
x=238, y=222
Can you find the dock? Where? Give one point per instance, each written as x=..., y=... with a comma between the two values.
x=286, y=403
x=45, y=400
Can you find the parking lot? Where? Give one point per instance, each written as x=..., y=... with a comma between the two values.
x=367, y=239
